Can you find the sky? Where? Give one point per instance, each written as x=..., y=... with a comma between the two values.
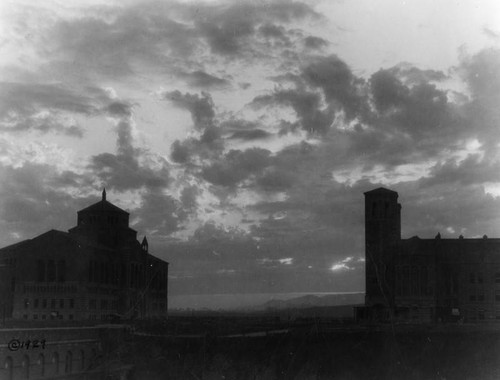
x=241, y=135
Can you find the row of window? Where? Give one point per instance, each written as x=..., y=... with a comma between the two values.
x=479, y=279
x=52, y=316
x=105, y=272
x=102, y=317
x=413, y=281
x=51, y=271
x=105, y=304
x=43, y=303
x=42, y=367
x=49, y=288
x=481, y=297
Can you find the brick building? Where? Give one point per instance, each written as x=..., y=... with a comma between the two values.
x=95, y=271
x=426, y=280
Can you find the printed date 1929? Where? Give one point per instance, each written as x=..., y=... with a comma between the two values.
x=16, y=344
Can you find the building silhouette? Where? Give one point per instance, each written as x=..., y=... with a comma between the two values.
x=97, y=270
x=425, y=280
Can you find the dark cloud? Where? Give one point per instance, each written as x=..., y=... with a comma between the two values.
x=421, y=110
x=306, y=104
x=472, y=170
x=275, y=180
x=159, y=215
x=273, y=31
x=236, y=166
x=412, y=75
x=48, y=108
x=124, y=170
x=119, y=109
x=208, y=146
x=342, y=89
x=228, y=30
x=315, y=43
x=325, y=86
x=202, y=79
x=162, y=37
x=243, y=130
x=201, y=106
x=34, y=198
x=179, y=152
x=452, y=208
x=124, y=173
x=481, y=72
x=189, y=198
x=144, y=34
x=254, y=134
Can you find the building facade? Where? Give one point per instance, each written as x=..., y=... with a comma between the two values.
x=97, y=270
x=426, y=280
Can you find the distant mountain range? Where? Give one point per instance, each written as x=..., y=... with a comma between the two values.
x=312, y=301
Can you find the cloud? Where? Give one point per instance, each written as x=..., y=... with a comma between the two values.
x=47, y=107
x=236, y=166
x=131, y=167
x=159, y=214
x=254, y=134
x=491, y=33
x=202, y=79
x=201, y=106
x=340, y=86
x=315, y=43
x=34, y=197
x=228, y=30
x=306, y=104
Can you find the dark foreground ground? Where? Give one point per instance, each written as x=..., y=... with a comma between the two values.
x=318, y=352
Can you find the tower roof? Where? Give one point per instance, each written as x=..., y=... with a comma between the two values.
x=103, y=205
x=381, y=190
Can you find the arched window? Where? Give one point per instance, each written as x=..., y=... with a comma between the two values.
x=26, y=366
x=55, y=362
x=61, y=271
x=8, y=366
x=69, y=362
x=41, y=363
x=51, y=271
x=82, y=360
x=40, y=270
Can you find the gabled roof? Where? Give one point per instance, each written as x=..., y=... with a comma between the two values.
x=381, y=190
x=103, y=205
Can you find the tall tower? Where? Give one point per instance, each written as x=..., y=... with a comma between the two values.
x=382, y=238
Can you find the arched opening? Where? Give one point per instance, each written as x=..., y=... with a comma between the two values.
x=26, y=366
x=82, y=360
x=51, y=271
x=55, y=362
x=41, y=363
x=8, y=367
x=69, y=362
